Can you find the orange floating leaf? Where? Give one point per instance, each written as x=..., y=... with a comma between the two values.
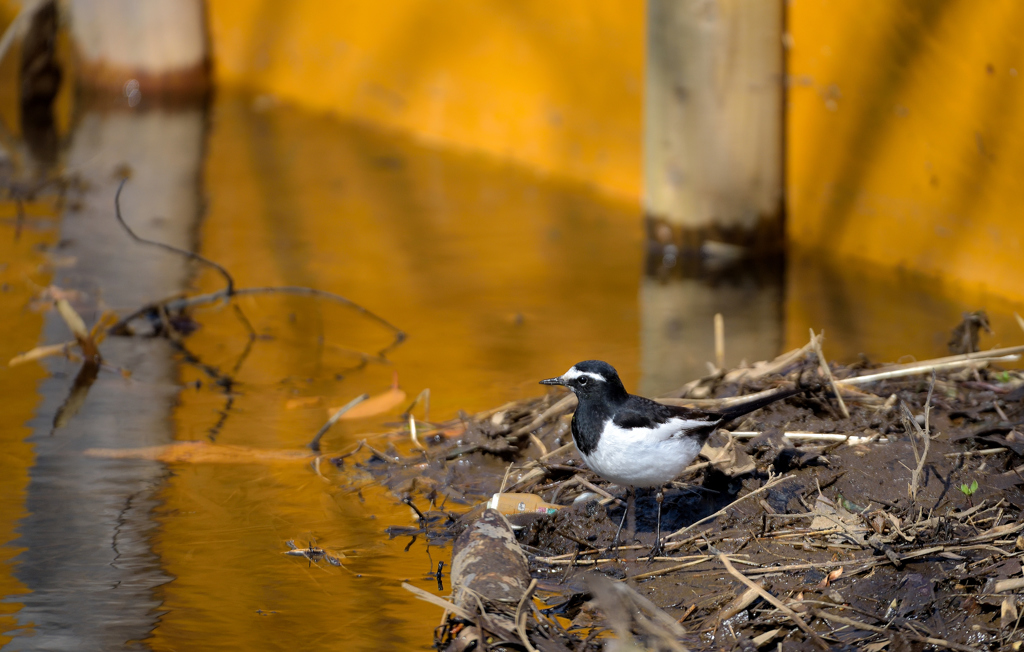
x=377, y=404
x=302, y=402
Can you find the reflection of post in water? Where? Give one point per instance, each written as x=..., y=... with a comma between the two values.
x=87, y=562
x=40, y=77
x=679, y=296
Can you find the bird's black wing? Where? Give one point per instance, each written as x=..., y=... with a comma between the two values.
x=640, y=412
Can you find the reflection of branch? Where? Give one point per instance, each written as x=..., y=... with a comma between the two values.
x=221, y=380
x=182, y=303
x=76, y=398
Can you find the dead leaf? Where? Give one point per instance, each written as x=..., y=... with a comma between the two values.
x=1008, y=612
x=831, y=577
x=377, y=404
x=201, y=452
x=302, y=402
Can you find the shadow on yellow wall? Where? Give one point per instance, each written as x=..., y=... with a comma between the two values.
x=906, y=136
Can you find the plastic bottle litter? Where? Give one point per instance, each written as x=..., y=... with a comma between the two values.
x=509, y=504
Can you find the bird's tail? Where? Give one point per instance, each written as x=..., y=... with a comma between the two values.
x=735, y=411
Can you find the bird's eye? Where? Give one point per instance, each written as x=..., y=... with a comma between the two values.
x=582, y=380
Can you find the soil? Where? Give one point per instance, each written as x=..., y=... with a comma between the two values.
x=840, y=537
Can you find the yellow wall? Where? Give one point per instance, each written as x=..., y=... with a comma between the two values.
x=555, y=86
x=906, y=136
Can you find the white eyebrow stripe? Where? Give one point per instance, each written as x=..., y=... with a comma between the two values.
x=576, y=373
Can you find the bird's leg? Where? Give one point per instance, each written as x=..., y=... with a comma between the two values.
x=631, y=510
x=656, y=549
x=625, y=513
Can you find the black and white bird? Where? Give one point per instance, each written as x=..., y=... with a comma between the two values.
x=633, y=441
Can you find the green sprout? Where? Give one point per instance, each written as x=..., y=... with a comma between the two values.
x=968, y=490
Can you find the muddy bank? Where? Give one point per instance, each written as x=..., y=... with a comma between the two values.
x=902, y=534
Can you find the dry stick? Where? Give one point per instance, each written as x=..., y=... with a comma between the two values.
x=986, y=451
x=759, y=370
x=230, y=287
x=521, y=617
x=772, y=481
x=1008, y=354
x=315, y=444
x=916, y=429
x=719, y=341
x=774, y=601
x=539, y=444
x=231, y=291
x=565, y=404
x=504, y=479
x=668, y=569
x=560, y=449
x=811, y=436
x=816, y=343
x=412, y=434
x=718, y=402
x=598, y=490
x=940, y=642
x=440, y=602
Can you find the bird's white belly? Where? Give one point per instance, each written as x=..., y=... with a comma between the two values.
x=635, y=458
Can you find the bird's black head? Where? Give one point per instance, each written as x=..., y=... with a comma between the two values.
x=591, y=379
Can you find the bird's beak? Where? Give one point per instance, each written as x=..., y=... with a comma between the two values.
x=553, y=381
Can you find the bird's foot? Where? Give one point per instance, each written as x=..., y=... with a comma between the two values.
x=657, y=550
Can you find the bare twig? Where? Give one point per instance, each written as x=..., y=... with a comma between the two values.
x=412, y=434
x=986, y=451
x=521, y=617
x=1008, y=354
x=560, y=449
x=565, y=404
x=758, y=370
x=719, y=341
x=775, y=602
x=230, y=282
x=810, y=436
x=672, y=569
x=437, y=601
x=940, y=642
x=315, y=444
x=229, y=291
x=910, y=423
x=816, y=343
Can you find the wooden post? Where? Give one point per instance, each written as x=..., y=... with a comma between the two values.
x=713, y=178
x=713, y=158
x=160, y=44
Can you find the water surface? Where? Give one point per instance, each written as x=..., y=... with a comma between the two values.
x=499, y=276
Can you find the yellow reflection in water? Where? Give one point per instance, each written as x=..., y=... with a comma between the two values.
x=20, y=260
x=500, y=278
